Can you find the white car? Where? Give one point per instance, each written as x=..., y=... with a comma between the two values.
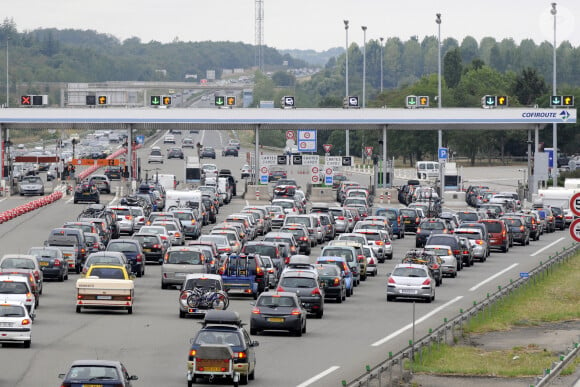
x=409, y=280
x=15, y=288
x=15, y=323
x=169, y=139
x=155, y=156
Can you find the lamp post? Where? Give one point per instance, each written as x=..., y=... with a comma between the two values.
x=553, y=11
x=347, y=132
x=381, y=39
x=439, y=102
x=364, y=28
x=7, y=76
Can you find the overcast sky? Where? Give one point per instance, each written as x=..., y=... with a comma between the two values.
x=301, y=24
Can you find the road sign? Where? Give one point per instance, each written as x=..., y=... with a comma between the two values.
x=346, y=161
x=315, y=179
x=556, y=100
x=99, y=162
x=155, y=100
x=550, y=152
x=575, y=204
x=411, y=101
x=307, y=140
x=140, y=139
x=369, y=150
x=525, y=275
x=102, y=99
x=328, y=171
x=568, y=100
x=333, y=161
x=264, y=179
x=264, y=170
x=268, y=159
x=219, y=100
x=310, y=160
x=327, y=147
x=575, y=230
x=315, y=170
x=166, y=100
x=289, y=135
x=296, y=159
x=328, y=180
x=231, y=101
x=282, y=159
x=443, y=154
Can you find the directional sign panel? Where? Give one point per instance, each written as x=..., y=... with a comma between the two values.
x=575, y=204
x=220, y=100
x=333, y=161
x=310, y=160
x=307, y=140
x=443, y=154
x=155, y=100
x=556, y=100
x=268, y=159
x=281, y=159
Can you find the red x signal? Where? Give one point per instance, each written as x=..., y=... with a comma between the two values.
x=25, y=100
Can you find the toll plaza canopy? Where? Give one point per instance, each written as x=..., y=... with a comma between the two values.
x=244, y=119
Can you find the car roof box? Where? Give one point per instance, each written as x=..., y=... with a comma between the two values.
x=222, y=317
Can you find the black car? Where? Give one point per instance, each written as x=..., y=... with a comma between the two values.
x=427, y=227
x=152, y=246
x=133, y=252
x=175, y=153
x=225, y=327
x=278, y=311
x=87, y=192
x=411, y=219
x=230, y=150
x=207, y=152
x=114, y=173
x=518, y=228
x=558, y=214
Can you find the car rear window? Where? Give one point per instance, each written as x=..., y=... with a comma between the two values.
x=275, y=301
x=122, y=247
x=11, y=311
x=17, y=263
x=184, y=257
x=345, y=253
x=298, y=282
x=432, y=226
x=107, y=272
x=203, y=283
x=409, y=272
x=268, y=251
x=514, y=222
x=9, y=287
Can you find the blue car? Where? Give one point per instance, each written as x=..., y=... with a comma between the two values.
x=395, y=219
x=343, y=266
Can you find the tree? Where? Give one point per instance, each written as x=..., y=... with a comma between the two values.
x=529, y=86
x=452, y=68
x=283, y=78
x=469, y=49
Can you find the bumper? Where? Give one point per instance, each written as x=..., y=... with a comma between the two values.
x=312, y=304
x=287, y=323
x=409, y=292
x=449, y=270
x=332, y=292
x=173, y=278
x=153, y=257
x=18, y=334
x=50, y=272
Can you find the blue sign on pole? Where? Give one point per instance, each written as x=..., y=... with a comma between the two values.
x=443, y=154
x=140, y=139
x=550, y=153
x=328, y=180
x=524, y=275
x=264, y=179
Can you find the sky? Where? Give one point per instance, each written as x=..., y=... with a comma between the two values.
x=302, y=24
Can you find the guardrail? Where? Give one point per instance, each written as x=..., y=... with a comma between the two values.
x=383, y=372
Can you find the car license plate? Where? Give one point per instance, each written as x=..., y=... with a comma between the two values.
x=146, y=250
x=180, y=274
x=408, y=291
x=212, y=369
x=5, y=324
x=276, y=319
x=92, y=385
x=44, y=263
x=242, y=272
x=104, y=297
x=407, y=221
x=86, y=194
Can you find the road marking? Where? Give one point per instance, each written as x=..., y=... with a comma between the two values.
x=418, y=321
x=547, y=247
x=116, y=196
x=316, y=378
x=492, y=277
x=247, y=203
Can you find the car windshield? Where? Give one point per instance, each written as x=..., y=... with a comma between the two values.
x=276, y=301
x=268, y=251
x=17, y=263
x=184, y=258
x=184, y=215
x=217, y=239
x=10, y=287
x=11, y=311
x=218, y=337
x=514, y=222
x=409, y=272
x=493, y=227
x=298, y=282
x=107, y=272
x=391, y=215
x=93, y=373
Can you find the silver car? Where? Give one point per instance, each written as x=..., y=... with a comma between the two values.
x=449, y=264
x=409, y=280
x=181, y=261
x=31, y=185
x=125, y=219
x=478, y=243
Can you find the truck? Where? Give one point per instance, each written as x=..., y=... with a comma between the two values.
x=106, y=287
x=452, y=178
x=179, y=199
x=168, y=181
x=559, y=197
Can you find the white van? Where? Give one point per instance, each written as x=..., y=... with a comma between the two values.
x=178, y=199
x=427, y=169
x=169, y=182
x=224, y=189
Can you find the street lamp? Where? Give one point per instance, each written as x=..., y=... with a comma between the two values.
x=381, y=39
x=364, y=28
x=553, y=11
x=439, y=102
x=347, y=132
x=7, y=76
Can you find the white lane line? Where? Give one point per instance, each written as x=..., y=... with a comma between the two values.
x=316, y=378
x=418, y=321
x=492, y=277
x=547, y=247
x=247, y=203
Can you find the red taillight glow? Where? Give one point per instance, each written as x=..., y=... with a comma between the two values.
x=315, y=292
x=240, y=355
x=184, y=295
x=427, y=281
x=25, y=322
x=57, y=262
x=279, y=289
x=295, y=312
x=256, y=311
x=391, y=280
x=380, y=243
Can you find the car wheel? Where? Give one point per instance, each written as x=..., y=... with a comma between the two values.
x=130, y=310
x=505, y=248
x=320, y=313
x=243, y=379
x=253, y=331
x=78, y=309
x=339, y=299
x=61, y=278
x=66, y=276
x=390, y=298
x=181, y=314
x=298, y=332
x=348, y=292
x=26, y=344
x=163, y=285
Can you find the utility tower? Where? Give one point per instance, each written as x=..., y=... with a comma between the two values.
x=259, y=31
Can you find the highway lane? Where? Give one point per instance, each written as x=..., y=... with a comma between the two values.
x=153, y=342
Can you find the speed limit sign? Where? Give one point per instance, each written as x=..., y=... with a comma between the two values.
x=575, y=230
x=289, y=135
x=575, y=204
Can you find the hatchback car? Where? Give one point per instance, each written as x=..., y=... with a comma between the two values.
x=175, y=153
x=15, y=323
x=169, y=139
x=230, y=150
x=152, y=244
x=14, y=288
x=132, y=250
x=332, y=282
x=278, y=311
x=207, y=152
x=395, y=219
x=187, y=142
x=180, y=261
x=51, y=261
x=205, y=283
x=410, y=281
x=31, y=185
x=155, y=155
x=114, y=173
x=102, y=182
x=105, y=372
x=427, y=227
x=517, y=227
x=422, y=257
x=449, y=264
x=87, y=192
x=24, y=261
x=499, y=235
x=305, y=285
x=106, y=258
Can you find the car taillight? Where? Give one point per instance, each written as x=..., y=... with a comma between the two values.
x=259, y=271
x=295, y=312
x=427, y=281
x=28, y=297
x=271, y=271
x=139, y=258
x=192, y=221
x=57, y=262
x=25, y=322
x=380, y=243
x=315, y=292
x=416, y=220
x=522, y=228
x=479, y=242
x=256, y=311
x=156, y=246
x=341, y=218
x=222, y=270
x=164, y=237
x=303, y=238
x=240, y=355
x=178, y=235
x=336, y=282
x=391, y=280
x=37, y=275
x=418, y=230
x=279, y=289
x=503, y=233
x=465, y=252
x=435, y=266
x=96, y=245
x=293, y=249
x=192, y=353
x=128, y=217
x=371, y=261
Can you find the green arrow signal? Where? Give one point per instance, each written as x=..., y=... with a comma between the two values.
x=490, y=101
x=155, y=100
x=411, y=100
x=556, y=100
x=220, y=101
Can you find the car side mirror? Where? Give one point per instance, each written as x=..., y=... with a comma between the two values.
x=254, y=343
x=133, y=377
x=61, y=376
x=388, y=274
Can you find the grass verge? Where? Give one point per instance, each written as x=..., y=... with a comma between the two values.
x=548, y=299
